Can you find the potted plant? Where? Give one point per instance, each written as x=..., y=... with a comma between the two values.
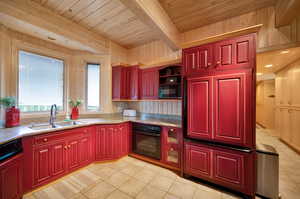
x=12, y=114
x=74, y=105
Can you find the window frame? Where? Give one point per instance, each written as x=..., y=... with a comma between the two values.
x=87, y=110
x=35, y=113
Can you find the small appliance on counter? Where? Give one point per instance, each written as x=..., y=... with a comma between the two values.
x=129, y=113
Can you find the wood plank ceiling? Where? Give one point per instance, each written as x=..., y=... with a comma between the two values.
x=191, y=14
x=110, y=18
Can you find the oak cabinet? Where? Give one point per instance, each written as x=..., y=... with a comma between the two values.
x=294, y=128
x=149, y=83
x=230, y=168
x=11, y=173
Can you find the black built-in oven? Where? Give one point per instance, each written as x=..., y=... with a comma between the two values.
x=146, y=140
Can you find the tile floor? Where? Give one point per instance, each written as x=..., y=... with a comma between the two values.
x=130, y=178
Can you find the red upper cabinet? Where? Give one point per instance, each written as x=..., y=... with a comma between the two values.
x=11, y=173
x=198, y=59
x=232, y=112
x=149, y=83
x=125, y=82
x=235, y=53
x=200, y=107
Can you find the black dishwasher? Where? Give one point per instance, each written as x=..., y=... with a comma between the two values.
x=10, y=149
x=146, y=140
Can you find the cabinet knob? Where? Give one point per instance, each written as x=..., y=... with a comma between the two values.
x=171, y=130
x=171, y=149
x=66, y=147
x=45, y=139
x=218, y=62
x=69, y=146
x=209, y=64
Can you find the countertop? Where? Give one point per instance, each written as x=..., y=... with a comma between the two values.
x=8, y=134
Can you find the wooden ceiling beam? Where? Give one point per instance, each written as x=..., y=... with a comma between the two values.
x=32, y=16
x=152, y=14
x=286, y=11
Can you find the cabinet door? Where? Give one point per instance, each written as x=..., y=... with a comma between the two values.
x=235, y=53
x=198, y=160
x=232, y=109
x=134, y=82
x=124, y=142
x=200, y=108
x=190, y=60
x=85, y=150
x=295, y=126
x=117, y=141
x=42, y=164
x=104, y=142
x=73, y=154
x=11, y=172
x=149, y=80
x=58, y=152
x=116, y=82
x=295, y=94
x=285, y=125
x=229, y=168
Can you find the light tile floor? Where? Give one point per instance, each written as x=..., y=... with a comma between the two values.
x=130, y=178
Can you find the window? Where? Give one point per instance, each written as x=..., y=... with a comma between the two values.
x=93, y=87
x=41, y=82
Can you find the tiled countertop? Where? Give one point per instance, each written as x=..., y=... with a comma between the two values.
x=8, y=134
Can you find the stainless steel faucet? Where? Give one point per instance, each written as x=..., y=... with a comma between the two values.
x=53, y=112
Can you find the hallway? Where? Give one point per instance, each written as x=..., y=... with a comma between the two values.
x=289, y=165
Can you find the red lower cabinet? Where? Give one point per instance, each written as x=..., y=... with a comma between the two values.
x=112, y=141
x=11, y=172
x=229, y=168
x=50, y=156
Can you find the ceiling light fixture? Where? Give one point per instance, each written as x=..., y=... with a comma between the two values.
x=51, y=38
x=268, y=65
x=284, y=52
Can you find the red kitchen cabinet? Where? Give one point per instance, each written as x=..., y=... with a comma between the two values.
x=198, y=59
x=104, y=142
x=42, y=164
x=171, y=146
x=11, y=173
x=232, y=109
x=149, y=83
x=198, y=160
x=125, y=82
x=200, y=102
x=234, y=53
x=50, y=156
x=58, y=156
x=111, y=141
x=219, y=108
x=229, y=168
x=117, y=83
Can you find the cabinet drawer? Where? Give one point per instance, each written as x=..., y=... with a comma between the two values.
x=55, y=136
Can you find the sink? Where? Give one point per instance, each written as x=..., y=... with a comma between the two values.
x=57, y=125
x=68, y=123
x=41, y=127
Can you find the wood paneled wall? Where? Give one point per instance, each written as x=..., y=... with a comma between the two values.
x=75, y=62
x=268, y=37
x=151, y=53
x=265, y=104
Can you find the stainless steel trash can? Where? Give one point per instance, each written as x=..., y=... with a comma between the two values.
x=267, y=171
